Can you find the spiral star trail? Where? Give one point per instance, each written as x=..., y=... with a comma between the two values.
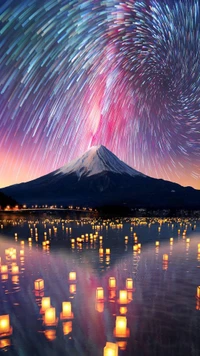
x=79, y=73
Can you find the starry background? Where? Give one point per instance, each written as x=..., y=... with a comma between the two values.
x=125, y=74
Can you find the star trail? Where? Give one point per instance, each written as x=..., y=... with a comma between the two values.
x=79, y=73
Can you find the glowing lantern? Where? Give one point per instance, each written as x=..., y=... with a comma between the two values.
x=30, y=239
x=107, y=251
x=67, y=327
x=139, y=246
x=4, y=269
x=101, y=251
x=39, y=284
x=5, y=328
x=165, y=257
x=66, y=311
x=72, y=276
x=45, y=304
x=112, y=282
x=123, y=297
x=50, y=317
x=126, y=238
x=110, y=349
x=21, y=252
x=129, y=283
x=188, y=240
x=121, y=327
x=157, y=243
x=22, y=243
x=15, y=269
x=99, y=293
x=198, y=292
x=135, y=248
x=50, y=334
x=5, y=343
x=171, y=239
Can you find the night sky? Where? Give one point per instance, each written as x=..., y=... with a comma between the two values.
x=125, y=74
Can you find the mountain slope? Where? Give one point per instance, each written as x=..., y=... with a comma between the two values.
x=99, y=178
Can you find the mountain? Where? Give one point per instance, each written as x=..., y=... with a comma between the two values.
x=6, y=200
x=99, y=178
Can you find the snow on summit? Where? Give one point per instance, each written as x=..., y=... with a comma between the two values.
x=96, y=160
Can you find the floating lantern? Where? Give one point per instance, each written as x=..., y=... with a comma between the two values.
x=5, y=328
x=187, y=240
x=39, y=284
x=126, y=238
x=66, y=311
x=99, y=293
x=139, y=246
x=165, y=257
x=112, y=282
x=21, y=252
x=136, y=239
x=135, y=248
x=157, y=243
x=67, y=327
x=107, y=251
x=123, y=297
x=45, y=304
x=198, y=292
x=101, y=251
x=50, y=317
x=30, y=239
x=171, y=239
x=15, y=269
x=72, y=276
x=129, y=284
x=121, y=330
x=22, y=243
x=110, y=349
x=122, y=345
x=5, y=343
x=4, y=269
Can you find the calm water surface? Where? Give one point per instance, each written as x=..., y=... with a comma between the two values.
x=162, y=311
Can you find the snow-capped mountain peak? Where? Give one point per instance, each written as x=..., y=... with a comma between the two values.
x=96, y=160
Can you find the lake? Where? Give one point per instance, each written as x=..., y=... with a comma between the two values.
x=130, y=281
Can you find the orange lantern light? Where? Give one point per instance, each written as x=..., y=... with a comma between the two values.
x=123, y=297
x=123, y=310
x=50, y=334
x=72, y=276
x=66, y=311
x=45, y=304
x=99, y=293
x=135, y=248
x=112, y=282
x=39, y=284
x=110, y=349
x=50, y=317
x=157, y=243
x=67, y=327
x=107, y=251
x=4, y=269
x=198, y=292
x=129, y=284
x=72, y=288
x=165, y=257
x=15, y=269
x=171, y=239
x=5, y=328
x=101, y=251
x=99, y=306
x=121, y=327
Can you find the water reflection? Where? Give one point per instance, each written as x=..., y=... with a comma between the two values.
x=90, y=283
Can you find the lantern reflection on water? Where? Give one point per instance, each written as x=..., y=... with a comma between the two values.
x=110, y=349
x=50, y=334
x=198, y=292
x=39, y=284
x=72, y=288
x=5, y=343
x=14, y=269
x=99, y=306
x=66, y=311
x=5, y=328
x=4, y=269
x=67, y=327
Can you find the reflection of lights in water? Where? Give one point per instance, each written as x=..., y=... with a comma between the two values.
x=107, y=260
x=5, y=344
x=112, y=295
x=198, y=292
x=50, y=334
x=122, y=345
x=112, y=282
x=4, y=277
x=129, y=284
x=67, y=327
x=72, y=288
x=4, y=269
x=123, y=310
x=99, y=306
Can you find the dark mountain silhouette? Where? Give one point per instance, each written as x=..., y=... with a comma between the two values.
x=99, y=178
